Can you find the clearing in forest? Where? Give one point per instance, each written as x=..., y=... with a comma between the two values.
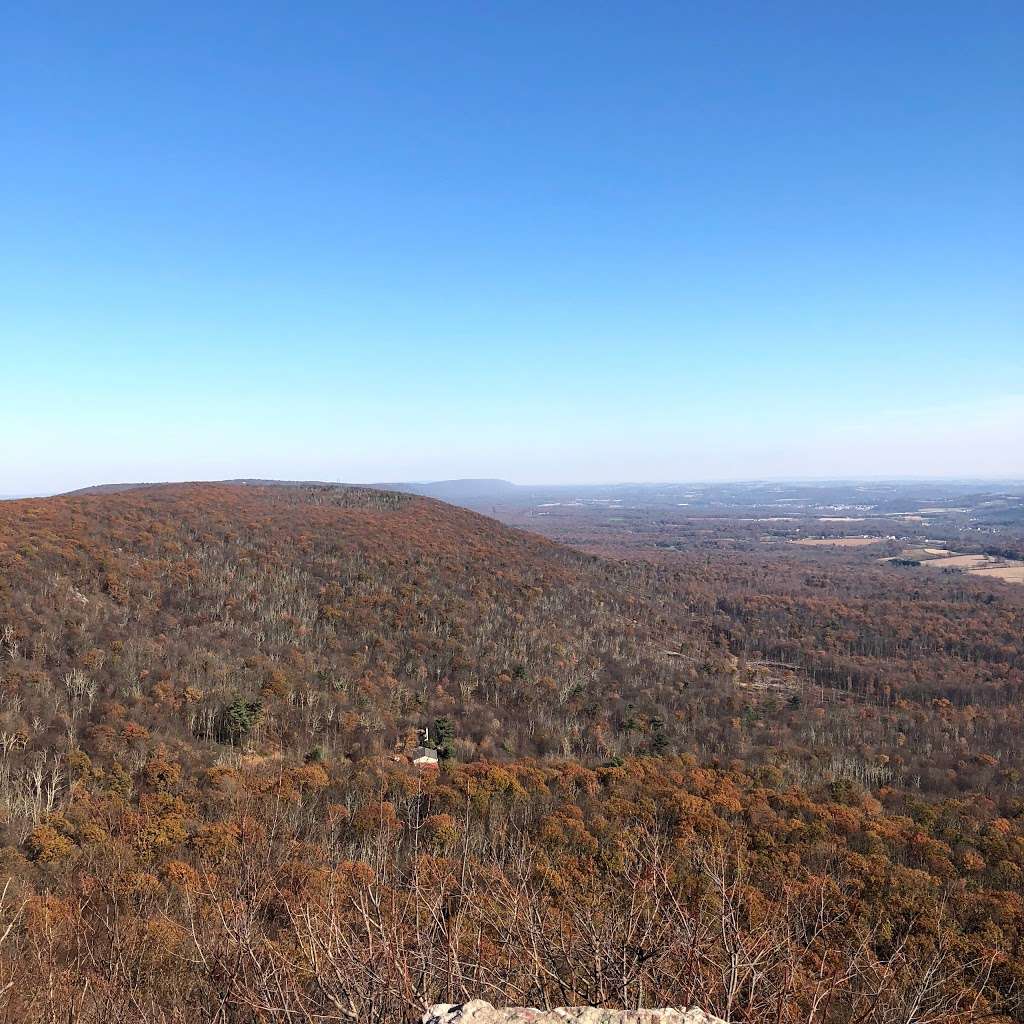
x=839, y=542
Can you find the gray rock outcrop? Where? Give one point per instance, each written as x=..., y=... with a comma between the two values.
x=479, y=1012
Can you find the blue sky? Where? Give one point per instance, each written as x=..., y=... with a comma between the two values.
x=546, y=241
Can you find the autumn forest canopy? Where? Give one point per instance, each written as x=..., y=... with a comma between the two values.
x=782, y=782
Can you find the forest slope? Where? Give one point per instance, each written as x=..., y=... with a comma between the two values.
x=353, y=615
x=206, y=690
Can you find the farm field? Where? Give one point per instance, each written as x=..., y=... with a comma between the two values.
x=955, y=561
x=838, y=542
x=1012, y=573
x=985, y=566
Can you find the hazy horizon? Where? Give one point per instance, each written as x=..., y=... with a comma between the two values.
x=961, y=481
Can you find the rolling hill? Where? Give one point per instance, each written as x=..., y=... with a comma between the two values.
x=376, y=599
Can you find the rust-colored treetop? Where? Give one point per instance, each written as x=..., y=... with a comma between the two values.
x=668, y=784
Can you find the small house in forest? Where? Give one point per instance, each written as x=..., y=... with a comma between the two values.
x=424, y=756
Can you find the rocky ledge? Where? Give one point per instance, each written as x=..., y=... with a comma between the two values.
x=479, y=1012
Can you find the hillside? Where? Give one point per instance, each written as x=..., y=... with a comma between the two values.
x=356, y=617
x=396, y=608
x=777, y=800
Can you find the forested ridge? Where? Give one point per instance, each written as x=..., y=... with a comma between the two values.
x=788, y=794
